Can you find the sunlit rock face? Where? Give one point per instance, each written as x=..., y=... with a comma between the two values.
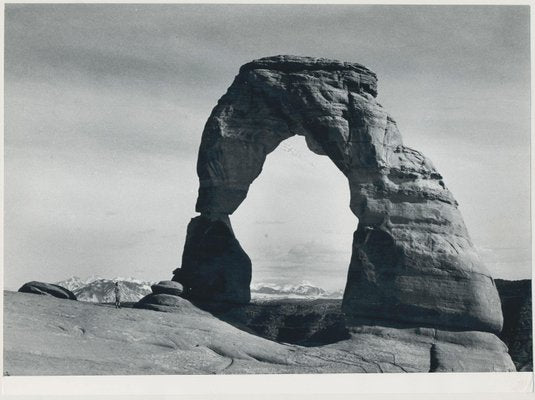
x=412, y=261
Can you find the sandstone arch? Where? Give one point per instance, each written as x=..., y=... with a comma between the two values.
x=412, y=258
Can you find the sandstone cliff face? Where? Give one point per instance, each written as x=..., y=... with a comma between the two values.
x=412, y=260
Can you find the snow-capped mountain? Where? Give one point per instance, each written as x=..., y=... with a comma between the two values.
x=101, y=290
x=74, y=283
x=301, y=290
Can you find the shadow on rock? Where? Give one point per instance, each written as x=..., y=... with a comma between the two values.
x=303, y=322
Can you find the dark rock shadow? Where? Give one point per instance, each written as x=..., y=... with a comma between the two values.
x=300, y=321
x=517, y=321
x=303, y=322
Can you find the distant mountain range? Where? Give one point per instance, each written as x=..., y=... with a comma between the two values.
x=301, y=290
x=101, y=290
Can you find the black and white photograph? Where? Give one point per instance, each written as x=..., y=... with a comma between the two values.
x=249, y=189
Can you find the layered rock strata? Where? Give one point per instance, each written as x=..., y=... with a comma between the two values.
x=412, y=260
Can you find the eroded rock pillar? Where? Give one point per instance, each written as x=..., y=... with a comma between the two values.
x=214, y=266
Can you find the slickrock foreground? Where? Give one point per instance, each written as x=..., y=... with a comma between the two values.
x=412, y=261
x=44, y=335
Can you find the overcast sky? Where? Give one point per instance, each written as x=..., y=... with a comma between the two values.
x=105, y=106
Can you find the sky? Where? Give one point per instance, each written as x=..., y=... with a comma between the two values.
x=105, y=106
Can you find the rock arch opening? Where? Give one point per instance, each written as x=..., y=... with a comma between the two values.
x=412, y=258
x=295, y=224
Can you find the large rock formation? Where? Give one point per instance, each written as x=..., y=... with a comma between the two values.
x=412, y=260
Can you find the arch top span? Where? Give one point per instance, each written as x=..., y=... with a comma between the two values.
x=331, y=103
x=412, y=256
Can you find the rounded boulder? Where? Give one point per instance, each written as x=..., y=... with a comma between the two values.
x=167, y=287
x=160, y=299
x=49, y=289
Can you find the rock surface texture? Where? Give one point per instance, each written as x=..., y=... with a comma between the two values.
x=50, y=336
x=47, y=289
x=412, y=259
